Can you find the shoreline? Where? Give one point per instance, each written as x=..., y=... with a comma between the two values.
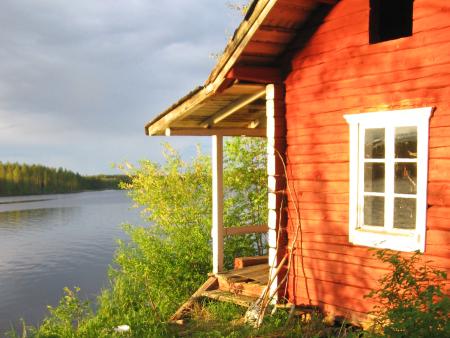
x=45, y=194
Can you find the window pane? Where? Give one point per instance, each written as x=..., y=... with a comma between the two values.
x=405, y=178
x=405, y=213
x=374, y=146
x=406, y=142
x=374, y=211
x=374, y=177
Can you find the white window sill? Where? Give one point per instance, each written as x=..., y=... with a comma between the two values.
x=400, y=241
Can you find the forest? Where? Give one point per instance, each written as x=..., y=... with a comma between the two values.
x=25, y=179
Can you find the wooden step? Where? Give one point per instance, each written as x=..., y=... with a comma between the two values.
x=249, y=281
x=226, y=296
x=241, y=286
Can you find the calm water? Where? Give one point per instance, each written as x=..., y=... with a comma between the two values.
x=51, y=241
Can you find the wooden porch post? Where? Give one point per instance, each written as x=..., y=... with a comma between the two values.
x=276, y=147
x=217, y=202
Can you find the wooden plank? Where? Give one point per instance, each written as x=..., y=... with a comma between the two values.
x=323, y=215
x=248, y=229
x=244, y=271
x=243, y=286
x=242, y=262
x=320, y=171
x=217, y=202
x=254, y=132
x=255, y=74
x=352, y=257
x=211, y=283
x=262, y=270
x=224, y=296
x=272, y=49
x=232, y=108
x=342, y=277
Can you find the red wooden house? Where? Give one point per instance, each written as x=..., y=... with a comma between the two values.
x=354, y=96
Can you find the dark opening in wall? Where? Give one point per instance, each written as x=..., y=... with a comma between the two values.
x=390, y=19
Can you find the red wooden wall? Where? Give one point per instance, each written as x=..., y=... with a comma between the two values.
x=339, y=73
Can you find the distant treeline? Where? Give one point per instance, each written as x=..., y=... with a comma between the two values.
x=24, y=179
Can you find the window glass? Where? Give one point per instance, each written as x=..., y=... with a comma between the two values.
x=405, y=213
x=374, y=177
x=406, y=142
x=374, y=145
x=405, y=178
x=374, y=211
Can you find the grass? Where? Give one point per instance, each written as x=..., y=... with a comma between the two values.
x=216, y=319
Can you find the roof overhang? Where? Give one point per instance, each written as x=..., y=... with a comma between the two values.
x=232, y=100
x=237, y=110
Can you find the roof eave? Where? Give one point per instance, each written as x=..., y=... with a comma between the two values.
x=259, y=10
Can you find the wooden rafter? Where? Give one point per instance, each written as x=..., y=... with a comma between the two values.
x=255, y=74
x=232, y=108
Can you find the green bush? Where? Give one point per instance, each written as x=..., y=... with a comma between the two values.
x=165, y=262
x=412, y=300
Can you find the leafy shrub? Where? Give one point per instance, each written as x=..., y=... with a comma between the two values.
x=163, y=263
x=412, y=298
x=67, y=316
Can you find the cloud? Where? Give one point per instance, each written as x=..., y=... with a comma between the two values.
x=79, y=79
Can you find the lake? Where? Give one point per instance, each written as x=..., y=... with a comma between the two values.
x=51, y=241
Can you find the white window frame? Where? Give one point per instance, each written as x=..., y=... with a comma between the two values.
x=388, y=237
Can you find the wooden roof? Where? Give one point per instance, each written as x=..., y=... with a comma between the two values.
x=231, y=102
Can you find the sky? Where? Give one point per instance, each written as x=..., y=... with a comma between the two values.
x=79, y=79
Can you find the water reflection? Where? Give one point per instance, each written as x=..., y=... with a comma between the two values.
x=48, y=242
x=15, y=220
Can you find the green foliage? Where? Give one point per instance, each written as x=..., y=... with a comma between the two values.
x=66, y=317
x=24, y=179
x=245, y=185
x=164, y=263
x=412, y=302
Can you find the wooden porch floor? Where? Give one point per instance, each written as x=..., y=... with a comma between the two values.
x=257, y=273
x=240, y=286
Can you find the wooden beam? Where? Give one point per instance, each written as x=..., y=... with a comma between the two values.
x=178, y=112
x=253, y=132
x=242, y=262
x=278, y=29
x=211, y=283
x=249, y=229
x=217, y=202
x=232, y=108
x=255, y=74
